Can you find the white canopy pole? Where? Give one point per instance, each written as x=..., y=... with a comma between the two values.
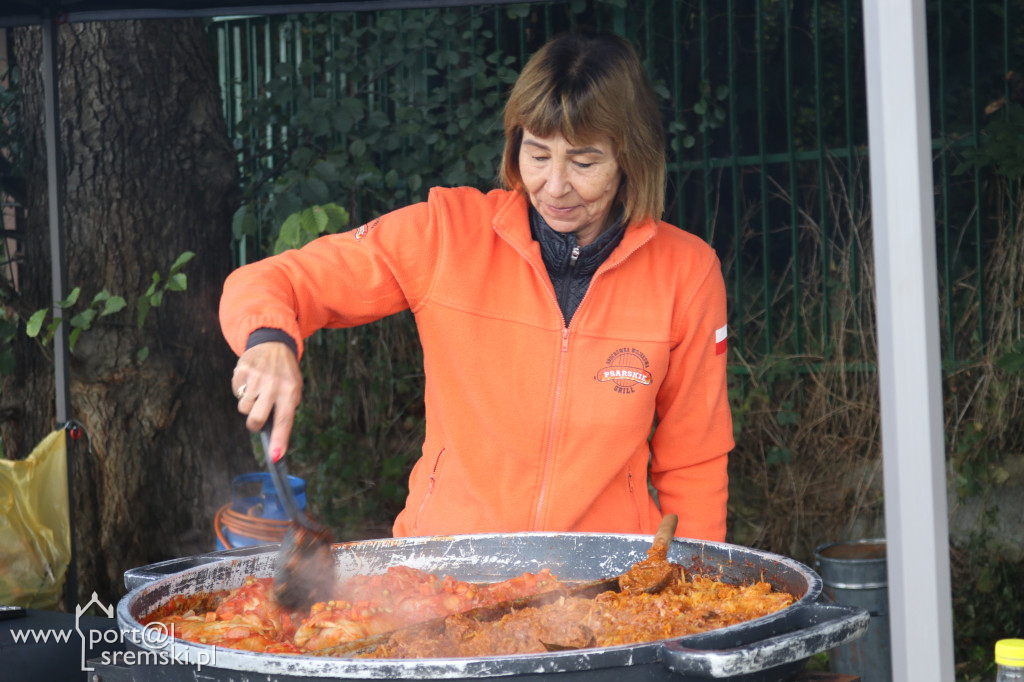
x=909, y=368
x=58, y=274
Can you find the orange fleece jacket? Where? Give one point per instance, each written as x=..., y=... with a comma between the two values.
x=530, y=425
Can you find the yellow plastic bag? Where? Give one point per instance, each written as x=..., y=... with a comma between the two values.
x=35, y=531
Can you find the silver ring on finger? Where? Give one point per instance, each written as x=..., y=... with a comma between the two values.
x=240, y=393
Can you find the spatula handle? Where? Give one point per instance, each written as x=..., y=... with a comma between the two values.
x=666, y=531
x=279, y=473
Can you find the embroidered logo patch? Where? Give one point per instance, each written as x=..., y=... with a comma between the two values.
x=626, y=369
x=365, y=228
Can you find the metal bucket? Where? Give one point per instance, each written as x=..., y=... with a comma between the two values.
x=854, y=574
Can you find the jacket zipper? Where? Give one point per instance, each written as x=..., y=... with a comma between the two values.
x=542, y=495
x=558, y=384
x=567, y=282
x=633, y=497
x=430, y=486
x=560, y=375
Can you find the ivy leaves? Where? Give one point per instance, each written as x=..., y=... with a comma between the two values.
x=303, y=227
x=368, y=116
x=104, y=304
x=707, y=113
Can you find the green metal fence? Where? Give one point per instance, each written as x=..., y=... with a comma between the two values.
x=764, y=102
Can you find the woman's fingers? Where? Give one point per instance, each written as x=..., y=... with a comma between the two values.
x=267, y=378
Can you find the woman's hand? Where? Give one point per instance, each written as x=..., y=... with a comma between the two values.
x=266, y=378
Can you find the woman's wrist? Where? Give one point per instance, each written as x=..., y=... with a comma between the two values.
x=266, y=334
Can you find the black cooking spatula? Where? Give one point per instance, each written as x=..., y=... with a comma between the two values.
x=305, y=563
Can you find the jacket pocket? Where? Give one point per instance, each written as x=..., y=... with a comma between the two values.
x=435, y=473
x=637, y=496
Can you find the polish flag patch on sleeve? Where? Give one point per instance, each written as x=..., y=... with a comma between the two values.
x=721, y=335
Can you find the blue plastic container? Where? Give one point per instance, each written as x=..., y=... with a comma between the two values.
x=254, y=494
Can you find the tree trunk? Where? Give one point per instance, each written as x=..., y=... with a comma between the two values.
x=149, y=173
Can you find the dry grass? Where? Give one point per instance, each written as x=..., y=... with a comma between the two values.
x=807, y=465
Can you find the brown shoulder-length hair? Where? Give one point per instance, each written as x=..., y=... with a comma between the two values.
x=586, y=86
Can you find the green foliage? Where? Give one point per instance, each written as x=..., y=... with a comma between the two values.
x=303, y=227
x=973, y=454
x=1001, y=146
x=372, y=114
x=154, y=295
x=765, y=392
x=706, y=114
x=988, y=601
x=1012, y=361
x=104, y=304
x=982, y=401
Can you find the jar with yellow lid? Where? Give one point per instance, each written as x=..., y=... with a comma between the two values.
x=1010, y=660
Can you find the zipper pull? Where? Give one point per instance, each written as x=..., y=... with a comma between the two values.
x=565, y=339
x=574, y=256
x=433, y=472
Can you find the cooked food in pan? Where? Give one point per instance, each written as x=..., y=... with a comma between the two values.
x=407, y=613
x=611, y=618
x=249, y=618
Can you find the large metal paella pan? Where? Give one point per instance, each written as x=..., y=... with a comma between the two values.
x=769, y=649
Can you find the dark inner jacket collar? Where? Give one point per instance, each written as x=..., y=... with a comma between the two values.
x=556, y=247
x=570, y=276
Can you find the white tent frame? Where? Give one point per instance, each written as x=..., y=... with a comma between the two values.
x=909, y=369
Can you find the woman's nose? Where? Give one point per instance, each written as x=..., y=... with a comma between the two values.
x=558, y=180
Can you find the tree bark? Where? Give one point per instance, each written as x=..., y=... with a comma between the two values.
x=149, y=172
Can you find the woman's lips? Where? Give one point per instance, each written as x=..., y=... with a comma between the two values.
x=560, y=210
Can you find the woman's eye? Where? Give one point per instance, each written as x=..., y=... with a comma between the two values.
x=580, y=164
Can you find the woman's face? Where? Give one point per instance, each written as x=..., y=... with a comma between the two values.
x=571, y=186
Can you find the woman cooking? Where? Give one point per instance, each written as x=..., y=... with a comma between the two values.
x=560, y=321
